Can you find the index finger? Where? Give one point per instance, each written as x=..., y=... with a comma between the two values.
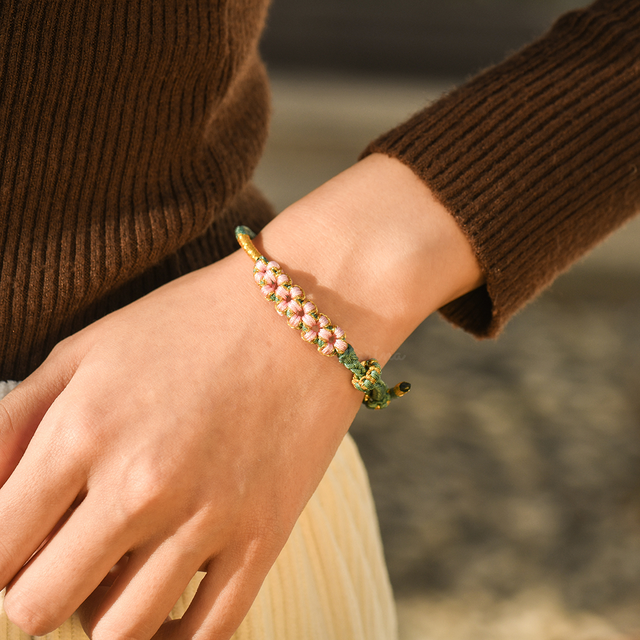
x=22, y=407
x=44, y=484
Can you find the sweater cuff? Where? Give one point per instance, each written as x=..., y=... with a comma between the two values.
x=536, y=158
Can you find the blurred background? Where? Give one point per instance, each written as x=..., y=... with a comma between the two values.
x=508, y=481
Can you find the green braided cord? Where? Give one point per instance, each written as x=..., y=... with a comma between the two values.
x=376, y=392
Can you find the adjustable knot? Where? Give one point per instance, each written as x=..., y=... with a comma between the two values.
x=367, y=378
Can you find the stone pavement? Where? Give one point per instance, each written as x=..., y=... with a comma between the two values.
x=508, y=481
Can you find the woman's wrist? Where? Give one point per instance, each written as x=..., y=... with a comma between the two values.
x=376, y=252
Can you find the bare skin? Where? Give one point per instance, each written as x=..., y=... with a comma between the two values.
x=188, y=430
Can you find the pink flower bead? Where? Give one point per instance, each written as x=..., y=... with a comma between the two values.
x=299, y=314
x=272, y=287
x=333, y=340
x=265, y=272
x=314, y=327
x=285, y=296
x=259, y=269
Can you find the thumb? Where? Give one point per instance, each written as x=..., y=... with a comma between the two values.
x=22, y=410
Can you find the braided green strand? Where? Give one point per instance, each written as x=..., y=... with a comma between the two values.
x=367, y=378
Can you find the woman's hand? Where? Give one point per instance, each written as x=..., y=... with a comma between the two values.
x=189, y=429
x=185, y=431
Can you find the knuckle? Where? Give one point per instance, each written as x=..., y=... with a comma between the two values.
x=75, y=436
x=267, y=526
x=61, y=347
x=145, y=490
x=58, y=353
x=63, y=359
x=262, y=535
x=148, y=487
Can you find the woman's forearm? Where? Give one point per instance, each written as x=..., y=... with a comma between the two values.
x=376, y=251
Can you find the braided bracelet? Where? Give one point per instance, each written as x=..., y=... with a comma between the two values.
x=316, y=328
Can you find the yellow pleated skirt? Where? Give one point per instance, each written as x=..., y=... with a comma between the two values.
x=329, y=583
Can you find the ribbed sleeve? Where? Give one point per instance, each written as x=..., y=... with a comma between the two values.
x=536, y=158
x=128, y=133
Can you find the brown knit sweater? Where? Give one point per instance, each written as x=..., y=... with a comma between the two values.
x=129, y=132
x=537, y=158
